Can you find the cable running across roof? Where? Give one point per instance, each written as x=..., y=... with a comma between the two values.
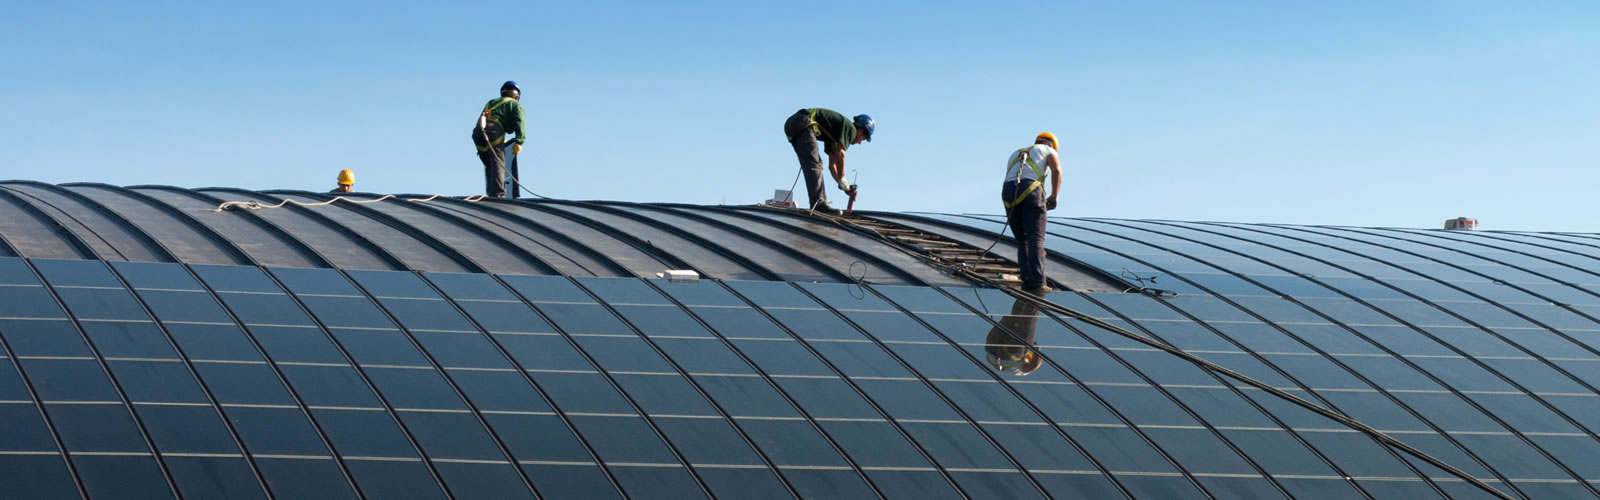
x=980, y=279
x=1202, y=362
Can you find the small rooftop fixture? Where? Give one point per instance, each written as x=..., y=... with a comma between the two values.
x=1461, y=224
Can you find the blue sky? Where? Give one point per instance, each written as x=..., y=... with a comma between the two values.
x=1370, y=113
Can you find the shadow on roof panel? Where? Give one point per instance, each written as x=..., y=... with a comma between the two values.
x=111, y=239
x=30, y=233
x=637, y=262
x=243, y=228
x=338, y=245
x=872, y=245
x=788, y=264
x=842, y=260
x=403, y=244
x=1055, y=267
x=705, y=259
x=914, y=271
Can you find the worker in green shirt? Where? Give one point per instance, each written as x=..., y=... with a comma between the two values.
x=837, y=133
x=500, y=116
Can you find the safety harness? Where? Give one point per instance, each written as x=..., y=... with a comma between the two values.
x=816, y=128
x=489, y=116
x=1039, y=176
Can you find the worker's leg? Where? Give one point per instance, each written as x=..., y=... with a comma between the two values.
x=804, y=141
x=494, y=172
x=1034, y=217
x=1028, y=225
x=493, y=157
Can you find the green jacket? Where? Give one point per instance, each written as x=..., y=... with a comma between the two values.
x=509, y=114
x=834, y=128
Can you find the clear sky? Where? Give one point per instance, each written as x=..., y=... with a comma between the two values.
x=1369, y=113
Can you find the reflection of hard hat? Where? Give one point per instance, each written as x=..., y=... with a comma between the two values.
x=1020, y=365
x=1047, y=135
x=346, y=177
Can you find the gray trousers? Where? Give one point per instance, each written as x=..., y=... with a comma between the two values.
x=494, y=159
x=1027, y=221
x=804, y=141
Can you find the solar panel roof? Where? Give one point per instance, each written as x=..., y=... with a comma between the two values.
x=150, y=348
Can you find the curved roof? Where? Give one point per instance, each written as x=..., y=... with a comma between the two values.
x=543, y=237
x=149, y=348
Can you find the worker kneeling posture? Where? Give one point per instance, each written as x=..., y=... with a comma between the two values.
x=837, y=133
x=1026, y=204
x=500, y=116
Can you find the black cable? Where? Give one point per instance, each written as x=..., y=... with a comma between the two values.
x=856, y=291
x=1203, y=363
x=520, y=185
x=970, y=275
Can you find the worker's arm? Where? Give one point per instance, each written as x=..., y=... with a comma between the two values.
x=522, y=122
x=836, y=167
x=1054, y=163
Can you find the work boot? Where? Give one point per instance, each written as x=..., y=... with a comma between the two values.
x=826, y=209
x=1039, y=290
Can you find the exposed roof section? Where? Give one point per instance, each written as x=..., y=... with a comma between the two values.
x=525, y=237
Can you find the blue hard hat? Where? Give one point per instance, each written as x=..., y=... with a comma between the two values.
x=864, y=123
x=510, y=85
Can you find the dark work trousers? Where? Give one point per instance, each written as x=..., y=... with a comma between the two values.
x=1027, y=224
x=804, y=140
x=1023, y=323
x=494, y=159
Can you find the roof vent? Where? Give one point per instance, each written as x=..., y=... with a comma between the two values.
x=1461, y=224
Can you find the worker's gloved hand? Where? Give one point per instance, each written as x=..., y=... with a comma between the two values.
x=1050, y=203
x=845, y=186
x=516, y=149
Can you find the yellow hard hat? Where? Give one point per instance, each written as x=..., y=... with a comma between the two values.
x=347, y=177
x=1047, y=135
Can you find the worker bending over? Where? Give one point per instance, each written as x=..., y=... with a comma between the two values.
x=500, y=116
x=347, y=182
x=1026, y=204
x=837, y=133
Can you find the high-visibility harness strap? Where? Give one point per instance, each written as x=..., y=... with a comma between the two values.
x=493, y=118
x=494, y=142
x=1038, y=175
x=496, y=105
x=816, y=128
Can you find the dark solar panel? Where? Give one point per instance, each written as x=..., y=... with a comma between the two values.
x=247, y=382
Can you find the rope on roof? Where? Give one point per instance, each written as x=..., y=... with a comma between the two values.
x=256, y=205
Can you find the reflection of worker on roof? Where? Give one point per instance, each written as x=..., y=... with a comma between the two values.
x=500, y=116
x=347, y=182
x=837, y=133
x=1013, y=352
x=1026, y=204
